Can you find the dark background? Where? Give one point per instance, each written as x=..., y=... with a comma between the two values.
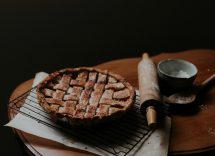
x=49, y=35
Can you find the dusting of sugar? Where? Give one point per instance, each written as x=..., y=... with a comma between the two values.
x=180, y=73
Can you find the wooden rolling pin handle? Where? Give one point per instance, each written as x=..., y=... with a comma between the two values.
x=151, y=116
x=145, y=56
x=150, y=109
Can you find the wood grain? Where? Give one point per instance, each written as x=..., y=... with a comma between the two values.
x=193, y=130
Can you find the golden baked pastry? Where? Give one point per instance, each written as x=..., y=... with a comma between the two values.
x=82, y=96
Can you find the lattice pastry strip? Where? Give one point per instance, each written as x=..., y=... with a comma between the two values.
x=64, y=82
x=73, y=93
x=96, y=94
x=68, y=108
x=80, y=80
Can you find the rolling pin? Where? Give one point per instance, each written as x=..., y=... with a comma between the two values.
x=149, y=89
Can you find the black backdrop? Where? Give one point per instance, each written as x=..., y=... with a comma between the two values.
x=49, y=35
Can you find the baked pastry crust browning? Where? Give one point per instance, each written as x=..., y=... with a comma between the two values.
x=83, y=96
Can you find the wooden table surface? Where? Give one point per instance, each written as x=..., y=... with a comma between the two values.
x=193, y=130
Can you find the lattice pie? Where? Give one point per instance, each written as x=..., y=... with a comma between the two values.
x=82, y=96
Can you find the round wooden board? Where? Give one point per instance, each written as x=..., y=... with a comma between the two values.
x=191, y=132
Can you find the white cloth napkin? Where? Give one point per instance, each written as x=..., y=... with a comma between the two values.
x=154, y=144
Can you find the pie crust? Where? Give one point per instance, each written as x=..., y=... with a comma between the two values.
x=84, y=96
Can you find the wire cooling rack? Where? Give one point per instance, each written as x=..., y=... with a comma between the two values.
x=118, y=137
